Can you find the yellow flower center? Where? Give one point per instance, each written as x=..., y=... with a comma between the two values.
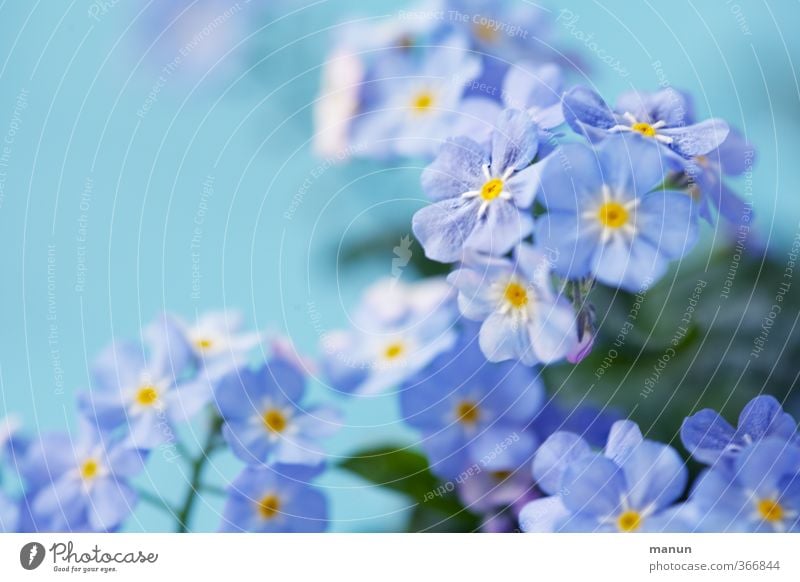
x=500, y=476
x=770, y=510
x=516, y=295
x=485, y=31
x=629, y=521
x=422, y=102
x=394, y=351
x=147, y=395
x=89, y=469
x=613, y=215
x=644, y=128
x=467, y=412
x=492, y=189
x=269, y=506
x=203, y=344
x=274, y=420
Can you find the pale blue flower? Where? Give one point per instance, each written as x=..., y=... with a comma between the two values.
x=398, y=329
x=408, y=104
x=265, y=419
x=605, y=219
x=665, y=117
x=472, y=412
x=141, y=391
x=522, y=316
x=81, y=484
x=481, y=194
x=629, y=488
x=9, y=514
x=275, y=499
x=762, y=494
x=709, y=437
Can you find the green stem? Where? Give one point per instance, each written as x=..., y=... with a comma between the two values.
x=156, y=501
x=212, y=443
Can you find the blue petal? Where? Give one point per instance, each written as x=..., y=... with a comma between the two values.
x=502, y=338
x=239, y=393
x=502, y=227
x=553, y=458
x=553, y=331
x=527, y=85
x=633, y=165
x=543, y=515
x=473, y=301
x=765, y=464
x=457, y=169
x=706, y=435
x=586, y=112
x=571, y=177
x=567, y=242
x=764, y=416
x=698, y=139
x=735, y=155
x=118, y=366
x=111, y=502
x=249, y=442
x=593, y=485
x=667, y=220
x=623, y=437
x=523, y=185
x=514, y=142
x=443, y=227
x=632, y=268
x=655, y=475
x=668, y=105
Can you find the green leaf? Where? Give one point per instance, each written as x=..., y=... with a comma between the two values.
x=407, y=472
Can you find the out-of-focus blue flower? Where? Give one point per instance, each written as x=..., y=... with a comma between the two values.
x=592, y=423
x=709, y=437
x=398, y=329
x=522, y=317
x=81, y=484
x=264, y=417
x=472, y=413
x=706, y=177
x=535, y=89
x=665, y=117
x=278, y=498
x=9, y=427
x=408, y=105
x=604, y=217
x=481, y=195
x=219, y=342
x=141, y=389
x=9, y=514
x=498, y=496
x=629, y=488
x=763, y=494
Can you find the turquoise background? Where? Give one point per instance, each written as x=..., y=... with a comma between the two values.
x=241, y=112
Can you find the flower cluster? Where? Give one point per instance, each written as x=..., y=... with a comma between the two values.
x=139, y=398
x=634, y=484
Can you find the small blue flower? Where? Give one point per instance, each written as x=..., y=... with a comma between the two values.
x=604, y=217
x=762, y=495
x=275, y=499
x=497, y=495
x=409, y=104
x=481, y=194
x=218, y=342
x=472, y=412
x=141, y=390
x=665, y=117
x=265, y=420
x=706, y=178
x=629, y=488
x=522, y=317
x=398, y=329
x=709, y=437
x=81, y=485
